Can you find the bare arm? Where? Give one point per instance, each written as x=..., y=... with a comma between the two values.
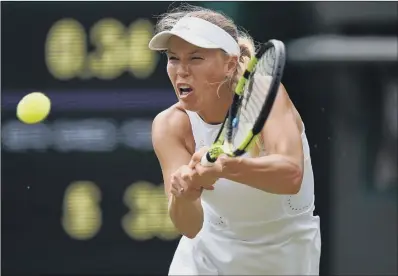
x=281, y=171
x=169, y=131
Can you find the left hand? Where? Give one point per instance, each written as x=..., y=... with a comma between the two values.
x=213, y=172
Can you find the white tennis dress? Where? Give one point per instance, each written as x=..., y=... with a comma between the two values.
x=250, y=232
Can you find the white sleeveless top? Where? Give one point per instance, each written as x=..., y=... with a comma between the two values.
x=250, y=232
x=241, y=211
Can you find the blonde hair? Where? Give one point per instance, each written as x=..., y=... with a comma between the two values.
x=245, y=41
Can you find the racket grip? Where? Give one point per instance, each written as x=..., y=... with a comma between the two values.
x=205, y=161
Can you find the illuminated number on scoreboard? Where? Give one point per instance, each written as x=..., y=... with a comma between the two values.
x=117, y=49
x=110, y=57
x=148, y=216
x=82, y=216
x=142, y=61
x=66, y=49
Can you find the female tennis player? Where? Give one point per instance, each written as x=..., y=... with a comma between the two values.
x=245, y=215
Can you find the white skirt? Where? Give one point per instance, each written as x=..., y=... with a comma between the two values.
x=292, y=250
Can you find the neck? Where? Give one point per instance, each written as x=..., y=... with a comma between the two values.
x=215, y=113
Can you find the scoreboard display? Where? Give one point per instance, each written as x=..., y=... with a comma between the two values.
x=80, y=45
x=82, y=192
x=118, y=49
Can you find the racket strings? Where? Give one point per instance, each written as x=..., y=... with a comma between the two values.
x=254, y=95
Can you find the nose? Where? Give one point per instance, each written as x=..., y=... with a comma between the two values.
x=182, y=70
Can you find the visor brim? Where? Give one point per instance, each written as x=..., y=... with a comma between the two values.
x=160, y=41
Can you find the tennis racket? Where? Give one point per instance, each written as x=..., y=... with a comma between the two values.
x=254, y=97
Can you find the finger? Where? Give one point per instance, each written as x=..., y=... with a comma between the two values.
x=174, y=191
x=183, y=187
x=211, y=188
x=200, y=170
x=225, y=159
x=194, y=160
x=187, y=175
x=194, y=176
x=173, y=178
x=176, y=183
x=197, y=156
x=177, y=191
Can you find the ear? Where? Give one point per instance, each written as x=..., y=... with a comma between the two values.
x=230, y=65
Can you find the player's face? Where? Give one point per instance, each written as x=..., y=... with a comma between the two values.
x=195, y=73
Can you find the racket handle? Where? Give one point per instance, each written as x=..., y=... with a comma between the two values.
x=205, y=161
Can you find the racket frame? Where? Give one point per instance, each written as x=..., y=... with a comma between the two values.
x=222, y=145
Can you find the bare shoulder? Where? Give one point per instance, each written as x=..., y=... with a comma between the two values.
x=172, y=124
x=284, y=105
x=171, y=120
x=282, y=131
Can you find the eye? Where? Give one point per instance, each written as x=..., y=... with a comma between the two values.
x=197, y=58
x=172, y=58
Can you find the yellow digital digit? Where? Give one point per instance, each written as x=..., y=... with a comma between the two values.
x=142, y=61
x=65, y=49
x=148, y=216
x=82, y=216
x=168, y=230
x=109, y=59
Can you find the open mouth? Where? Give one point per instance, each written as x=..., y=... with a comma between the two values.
x=184, y=89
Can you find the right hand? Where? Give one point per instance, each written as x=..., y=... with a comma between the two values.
x=185, y=184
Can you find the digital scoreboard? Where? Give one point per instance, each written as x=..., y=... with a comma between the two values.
x=82, y=193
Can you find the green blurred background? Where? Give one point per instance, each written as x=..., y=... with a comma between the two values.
x=82, y=192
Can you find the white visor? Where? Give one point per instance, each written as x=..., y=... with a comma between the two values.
x=198, y=32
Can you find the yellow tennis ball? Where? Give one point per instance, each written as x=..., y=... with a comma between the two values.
x=33, y=108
